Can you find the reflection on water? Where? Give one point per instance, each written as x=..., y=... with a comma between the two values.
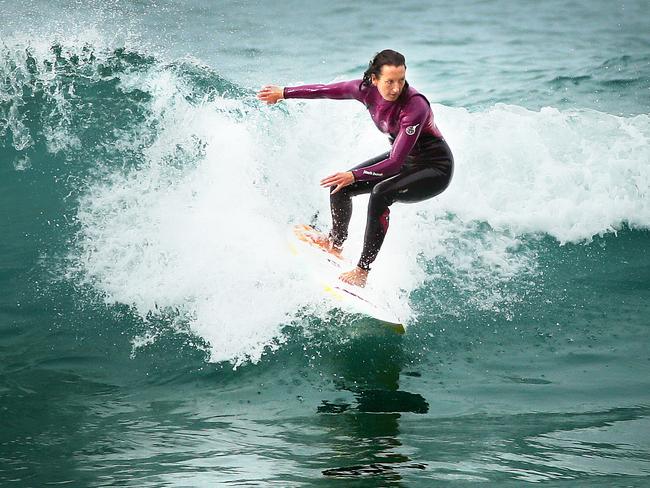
x=364, y=435
x=249, y=428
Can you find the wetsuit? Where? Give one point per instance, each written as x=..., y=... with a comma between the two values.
x=418, y=166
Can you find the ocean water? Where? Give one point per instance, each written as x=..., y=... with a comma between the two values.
x=156, y=332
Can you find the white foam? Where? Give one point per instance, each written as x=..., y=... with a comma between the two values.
x=200, y=238
x=22, y=163
x=570, y=174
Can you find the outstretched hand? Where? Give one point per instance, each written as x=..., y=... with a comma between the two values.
x=338, y=180
x=270, y=94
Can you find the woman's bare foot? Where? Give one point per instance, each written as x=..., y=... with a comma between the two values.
x=357, y=277
x=325, y=243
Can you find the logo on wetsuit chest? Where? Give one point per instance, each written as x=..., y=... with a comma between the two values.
x=410, y=130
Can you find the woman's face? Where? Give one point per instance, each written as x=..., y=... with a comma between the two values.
x=390, y=82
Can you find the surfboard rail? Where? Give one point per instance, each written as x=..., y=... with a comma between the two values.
x=327, y=265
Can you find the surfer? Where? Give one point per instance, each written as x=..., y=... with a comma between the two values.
x=418, y=166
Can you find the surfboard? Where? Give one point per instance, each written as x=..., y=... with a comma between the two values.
x=326, y=266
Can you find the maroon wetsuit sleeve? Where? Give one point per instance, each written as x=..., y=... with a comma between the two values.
x=341, y=90
x=412, y=119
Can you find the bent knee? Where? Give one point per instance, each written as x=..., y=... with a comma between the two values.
x=342, y=194
x=381, y=196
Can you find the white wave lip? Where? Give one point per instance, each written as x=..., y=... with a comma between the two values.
x=569, y=174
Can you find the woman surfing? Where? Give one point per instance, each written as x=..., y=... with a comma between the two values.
x=419, y=165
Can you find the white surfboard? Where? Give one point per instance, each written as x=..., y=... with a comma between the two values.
x=327, y=267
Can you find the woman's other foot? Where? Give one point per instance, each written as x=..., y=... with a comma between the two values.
x=357, y=277
x=325, y=243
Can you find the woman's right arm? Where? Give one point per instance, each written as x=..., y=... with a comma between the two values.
x=341, y=90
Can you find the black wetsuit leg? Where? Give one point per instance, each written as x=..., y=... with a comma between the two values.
x=341, y=202
x=408, y=186
x=426, y=173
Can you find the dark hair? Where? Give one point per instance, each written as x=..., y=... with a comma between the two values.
x=382, y=58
